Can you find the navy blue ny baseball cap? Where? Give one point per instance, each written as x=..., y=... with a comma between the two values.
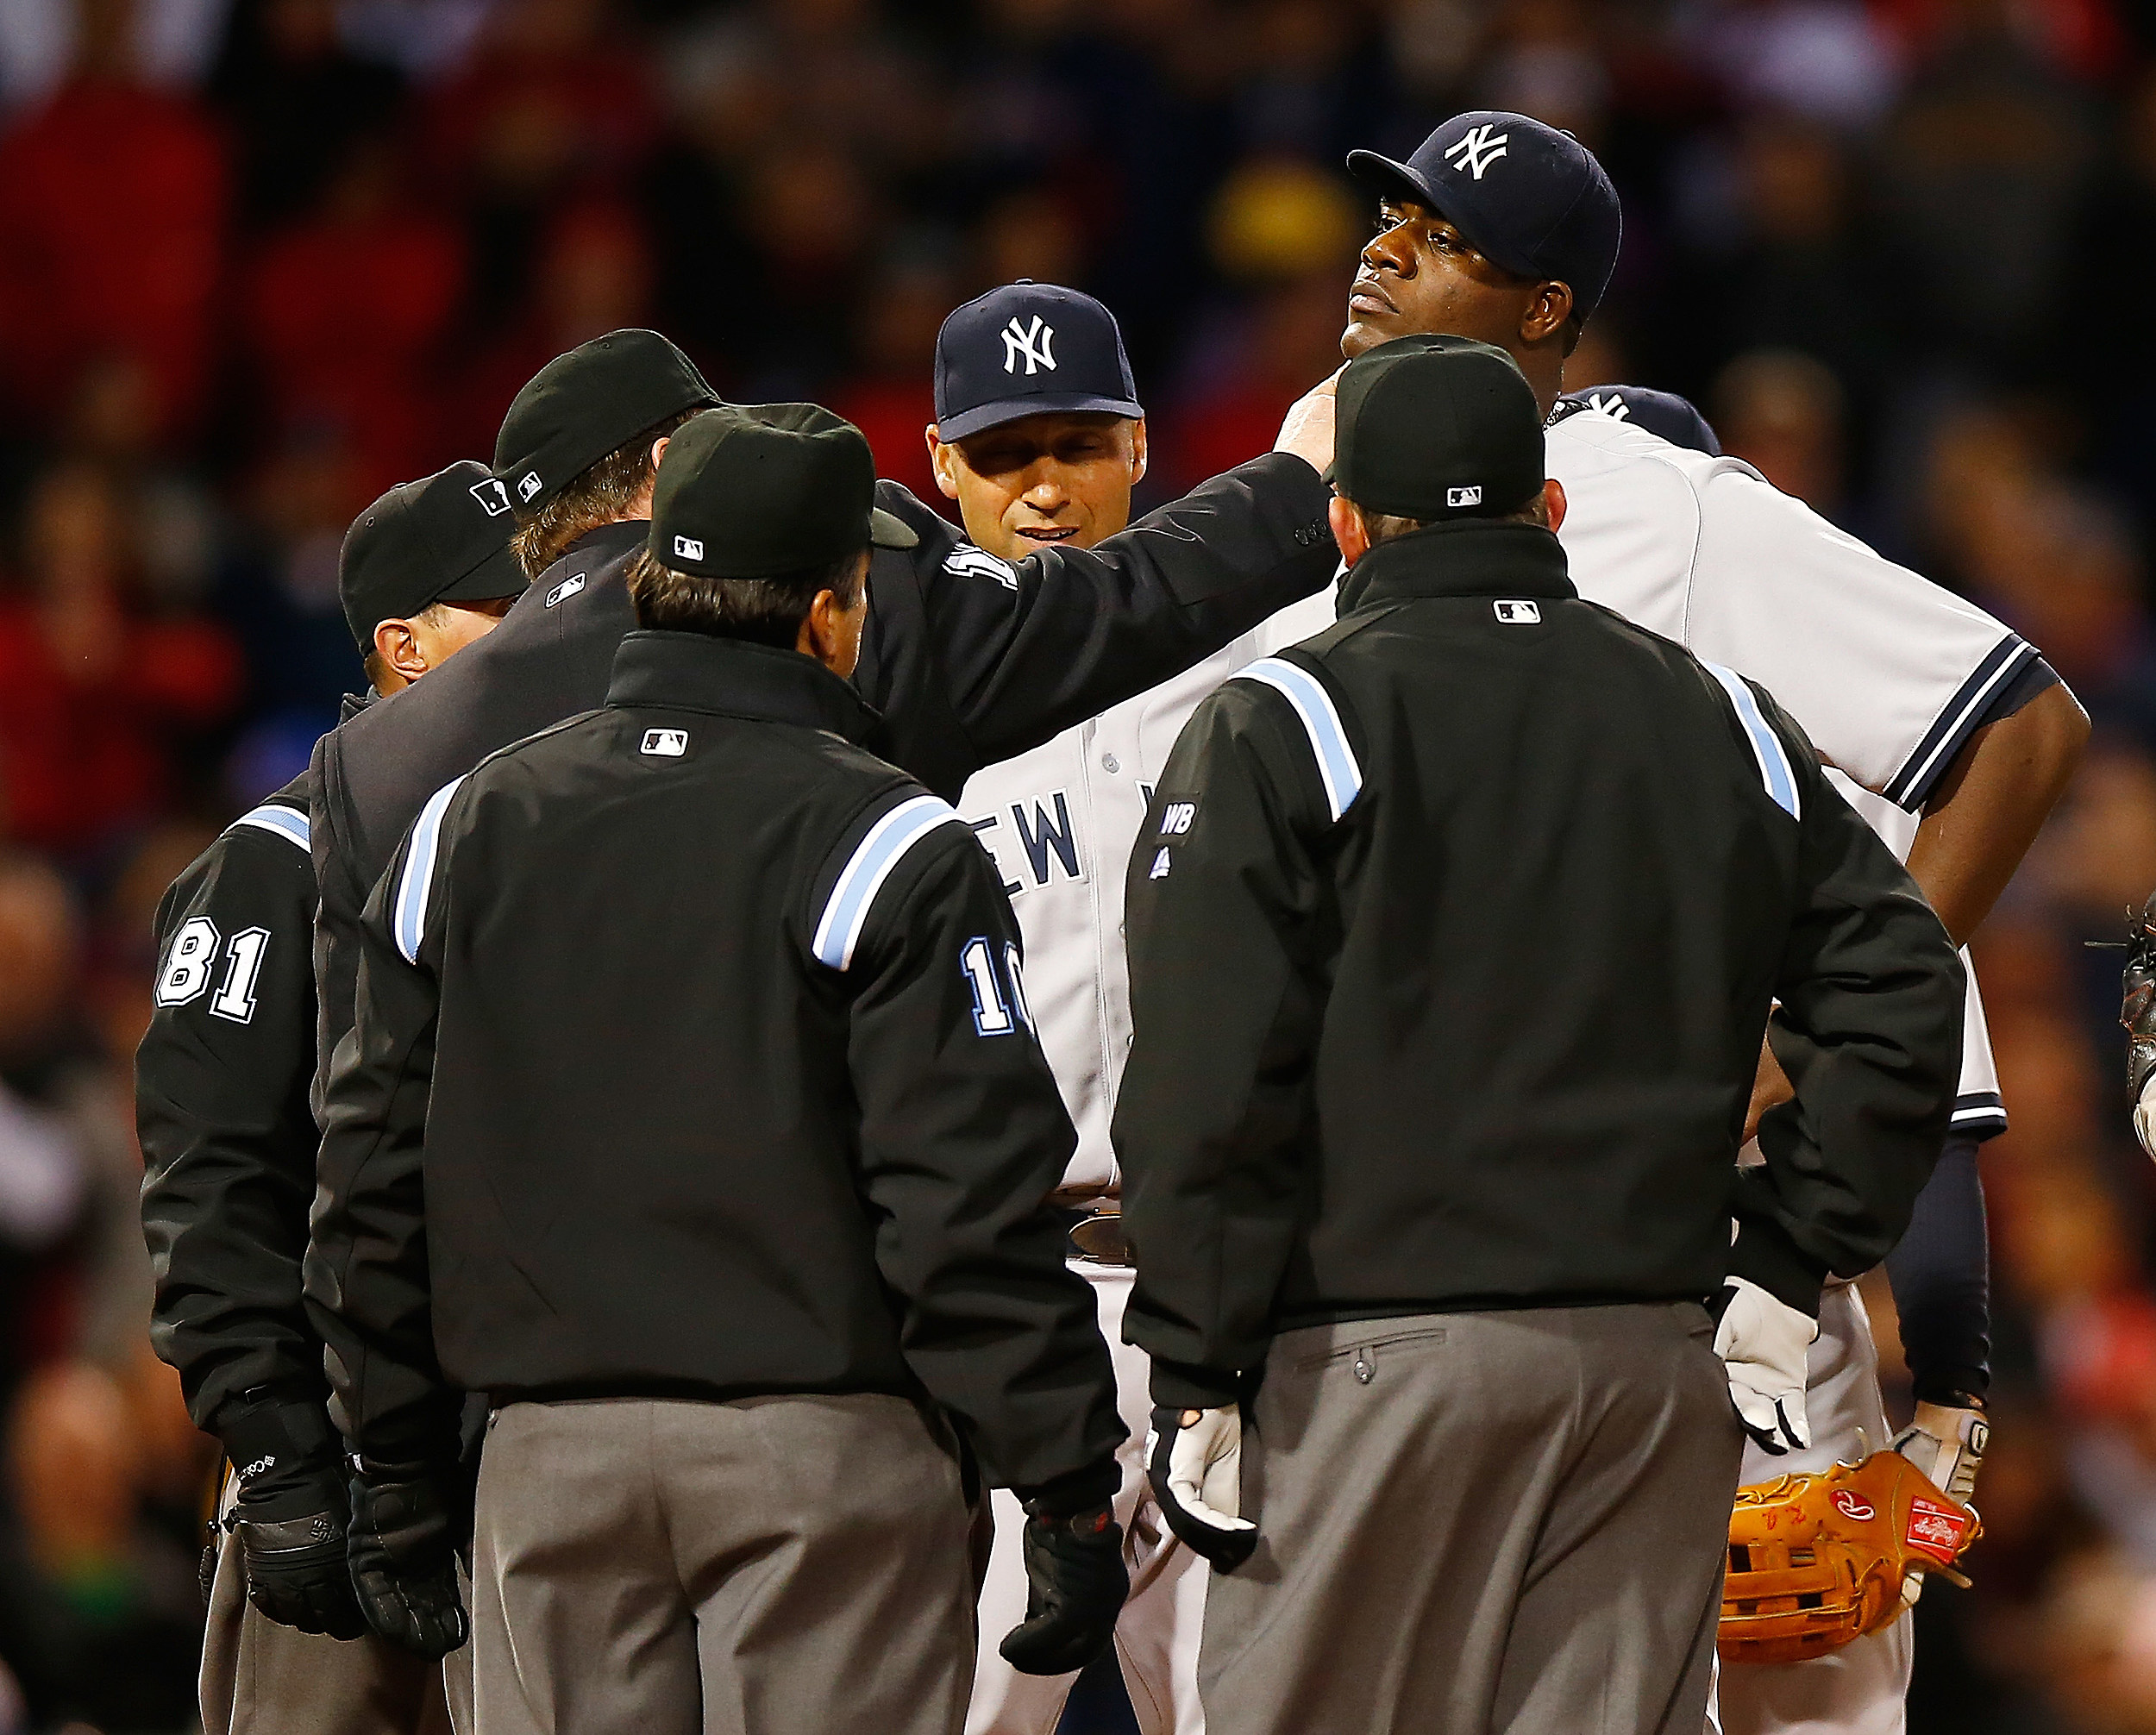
x=1528, y=197
x=1676, y=419
x=1029, y=349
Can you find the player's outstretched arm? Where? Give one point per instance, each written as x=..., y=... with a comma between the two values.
x=975, y=661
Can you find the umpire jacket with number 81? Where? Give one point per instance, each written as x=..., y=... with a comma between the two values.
x=693, y=1060
x=1453, y=933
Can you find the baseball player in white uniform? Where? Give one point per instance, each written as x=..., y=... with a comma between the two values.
x=1039, y=438
x=1502, y=228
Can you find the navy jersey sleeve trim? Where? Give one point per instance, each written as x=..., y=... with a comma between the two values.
x=1997, y=680
x=1978, y=1114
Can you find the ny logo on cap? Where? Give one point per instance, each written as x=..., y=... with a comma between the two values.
x=688, y=548
x=1610, y=405
x=1036, y=346
x=1477, y=150
x=527, y=485
x=1463, y=497
x=492, y=496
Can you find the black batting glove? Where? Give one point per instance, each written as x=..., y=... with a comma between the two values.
x=291, y=1517
x=1076, y=1585
x=405, y=1520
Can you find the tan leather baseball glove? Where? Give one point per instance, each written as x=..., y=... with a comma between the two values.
x=1815, y=1561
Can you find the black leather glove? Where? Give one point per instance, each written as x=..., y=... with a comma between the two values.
x=405, y=1520
x=291, y=1515
x=1076, y=1585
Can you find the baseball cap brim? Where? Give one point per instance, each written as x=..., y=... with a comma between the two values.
x=885, y=531
x=499, y=574
x=1390, y=179
x=983, y=416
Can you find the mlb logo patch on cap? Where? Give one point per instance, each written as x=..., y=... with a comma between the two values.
x=688, y=548
x=1463, y=497
x=492, y=496
x=664, y=743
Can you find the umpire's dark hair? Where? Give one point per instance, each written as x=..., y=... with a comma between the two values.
x=765, y=612
x=596, y=496
x=1384, y=527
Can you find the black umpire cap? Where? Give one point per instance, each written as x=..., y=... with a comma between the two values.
x=590, y=401
x=1029, y=349
x=754, y=491
x=442, y=539
x=1527, y=196
x=1436, y=429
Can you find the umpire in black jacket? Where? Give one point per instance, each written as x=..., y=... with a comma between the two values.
x=693, y=1114
x=229, y=1143
x=966, y=660
x=1452, y=941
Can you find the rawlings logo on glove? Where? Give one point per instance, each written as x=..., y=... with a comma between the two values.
x=1815, y=1561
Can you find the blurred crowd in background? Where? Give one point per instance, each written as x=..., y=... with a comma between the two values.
x=260, y=259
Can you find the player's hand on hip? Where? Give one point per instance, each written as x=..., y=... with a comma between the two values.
x=1770, y=1088
x=403, y=1556
x=1762, y=1341
x=1075, y=1584
x=1193, y=1460
x=1307, y=430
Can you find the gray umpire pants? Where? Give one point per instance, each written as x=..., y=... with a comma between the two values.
x=260, y=1678
x=1480, y=1523
x=783, y=1565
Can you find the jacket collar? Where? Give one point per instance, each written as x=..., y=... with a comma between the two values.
x=733, y=677
x=1467, y=558
x=607, y=543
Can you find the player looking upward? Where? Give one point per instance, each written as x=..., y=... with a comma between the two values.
x=1502, y=228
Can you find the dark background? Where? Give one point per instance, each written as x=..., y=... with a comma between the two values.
x=260, y=259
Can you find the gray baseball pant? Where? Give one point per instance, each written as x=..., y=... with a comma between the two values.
x=1480, y=1523
x=260, y=1678
x=785, y=1565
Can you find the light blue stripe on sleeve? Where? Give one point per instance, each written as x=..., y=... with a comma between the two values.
x=1775, y=770
x=284, y=822
x=1337, y=767
x=413, y=890
x=846, y=911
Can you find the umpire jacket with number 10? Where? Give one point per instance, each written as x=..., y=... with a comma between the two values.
x=692, y=1061
x=1453, y=933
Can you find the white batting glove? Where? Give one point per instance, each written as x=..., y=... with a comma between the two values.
x=1194, y=1459
x=1762, y=1341
x=1947, y=1443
